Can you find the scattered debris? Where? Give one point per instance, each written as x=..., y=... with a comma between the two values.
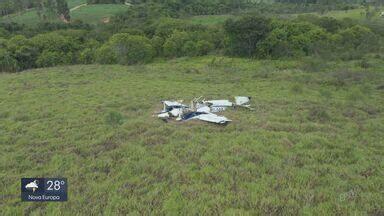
x=201, y=109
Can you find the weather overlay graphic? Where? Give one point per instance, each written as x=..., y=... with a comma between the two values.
x=44, y=189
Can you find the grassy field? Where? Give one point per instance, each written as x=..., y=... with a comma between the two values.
x=91, y=14
x=312, y=146
x=97, y=13
x=74, y=3
x=28, y=18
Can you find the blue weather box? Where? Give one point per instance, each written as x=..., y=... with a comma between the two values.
x=44, y=189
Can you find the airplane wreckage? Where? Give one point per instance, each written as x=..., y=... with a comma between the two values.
x=201, y=109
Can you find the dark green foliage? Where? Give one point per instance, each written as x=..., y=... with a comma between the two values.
x=204, y=47
x=63, y=10
x=291, y=39
x=123, y=48
x=54, y=42
x=358, y=37
x=245, y=34
x=160, y=33
x=173, y=46
x=7, y=62
x=131, y=49
x=87, y=56
x=190, y=49
x=106, y=55
x=51, y=58
x=157, y=43
x=24, y=51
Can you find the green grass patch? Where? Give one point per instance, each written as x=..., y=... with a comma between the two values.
x=74, y=3
x=92, y=14
x=97, y=13
x=28, y=18
x=313, y=145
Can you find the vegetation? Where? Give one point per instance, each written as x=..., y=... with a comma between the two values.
x=312, y=146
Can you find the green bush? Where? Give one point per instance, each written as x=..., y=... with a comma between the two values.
x=170, y=48
x=358, y=37
x=131, y=49
x=87, y=56
x=204, y=47
x=106, y=55
x=190, y=49
x=157, y=43
x=48, y=59
x=7, y=62
x=54, y=42
x=291, y=39
x=173, y=46
x=51, y=58
x=23, y=51
x=244, y=35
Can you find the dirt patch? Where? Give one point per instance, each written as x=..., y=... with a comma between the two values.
x=106, y=20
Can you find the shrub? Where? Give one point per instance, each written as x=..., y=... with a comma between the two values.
x=7, y=62
x=131, y=49
x=51, y=58
x=157, y=43
x=173, y=46
x=106, y=55
x=170, y=49
x=358, y=37
x=87, y=56
x=23, y=51
x=243, y=35
x=48, y=59
x=190, y=49
x=288, y=40
x=204, y=47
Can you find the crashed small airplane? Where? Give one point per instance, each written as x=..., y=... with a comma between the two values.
x=203, y=110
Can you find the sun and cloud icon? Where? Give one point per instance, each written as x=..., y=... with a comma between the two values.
x=32, y=185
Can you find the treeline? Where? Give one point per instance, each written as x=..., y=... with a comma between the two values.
x=249, y=36
x=12, y=6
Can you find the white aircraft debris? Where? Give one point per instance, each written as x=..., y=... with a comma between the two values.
x=201, y=109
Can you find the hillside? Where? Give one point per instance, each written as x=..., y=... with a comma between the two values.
x=313, y=145
x=91, y=14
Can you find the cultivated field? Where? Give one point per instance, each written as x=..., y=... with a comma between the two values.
x=312, y=146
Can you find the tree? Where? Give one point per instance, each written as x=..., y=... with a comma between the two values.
x=244, y=34
x=190, y=49
x=204, y=47
x=63, y=10
x=23, y=51
x=174, y=44
x=7, y=62
x=131, y=49
x=358, y=36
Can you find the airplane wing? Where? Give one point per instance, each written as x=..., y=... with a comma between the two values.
x=210, y=117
